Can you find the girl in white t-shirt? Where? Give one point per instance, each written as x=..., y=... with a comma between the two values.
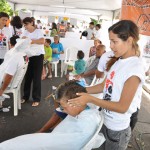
x=122, y=88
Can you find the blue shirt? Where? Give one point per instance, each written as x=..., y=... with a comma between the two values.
x=59, y=48
x=79, y=66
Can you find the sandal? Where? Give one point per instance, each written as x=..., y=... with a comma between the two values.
x=35, y=104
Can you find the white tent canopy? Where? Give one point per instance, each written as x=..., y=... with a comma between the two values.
x=98, y=9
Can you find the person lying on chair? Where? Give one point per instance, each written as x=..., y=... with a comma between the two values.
x=72, y=133
x=13, y=61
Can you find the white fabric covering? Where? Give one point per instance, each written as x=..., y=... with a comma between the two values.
x=71, y=134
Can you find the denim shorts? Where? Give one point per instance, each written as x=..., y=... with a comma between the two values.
x=115, y=140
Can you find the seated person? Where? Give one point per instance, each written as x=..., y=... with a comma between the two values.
x=79, y=66
x=91, y=66
x=93, y=48
x=57, y=48
x=12, y=43
x=72, y=133
x=13, y=61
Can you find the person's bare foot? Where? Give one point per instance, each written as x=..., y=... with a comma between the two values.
x=35, y=104
x=43, y=77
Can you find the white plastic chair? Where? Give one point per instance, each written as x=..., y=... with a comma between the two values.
x=70, y=58
x=98, y=138
x=15, y=87
x=97, y=80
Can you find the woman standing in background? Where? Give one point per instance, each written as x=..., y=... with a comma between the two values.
x=35, y=66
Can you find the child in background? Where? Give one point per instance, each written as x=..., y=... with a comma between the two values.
x=79, y=66
x=80, y=63
x=47, y=59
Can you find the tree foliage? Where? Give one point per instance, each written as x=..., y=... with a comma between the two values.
x=5, y=7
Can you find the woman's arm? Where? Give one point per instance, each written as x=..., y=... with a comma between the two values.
x=127, y=95
x=38, y=41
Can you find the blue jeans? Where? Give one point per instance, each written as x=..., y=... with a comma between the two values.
x=115, y=140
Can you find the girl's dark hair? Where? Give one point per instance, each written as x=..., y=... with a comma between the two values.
x=80, y=54
x=3, y=14
x=69, y=90
x=13, y=40
x=48, y=41
x=54, y=26
x=16, y=22
x=125, y=29
x=28, y=20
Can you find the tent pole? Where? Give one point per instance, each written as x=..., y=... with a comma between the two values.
x=113, y=15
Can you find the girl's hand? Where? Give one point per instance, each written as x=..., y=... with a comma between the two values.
x=80, y=101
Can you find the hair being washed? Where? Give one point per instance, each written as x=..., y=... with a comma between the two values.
x=69, y=90
x=125, y=29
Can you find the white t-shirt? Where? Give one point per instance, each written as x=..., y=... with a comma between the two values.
x=35, y=49
x=18, y=31
x=39, y=25
x=97, y=34
x=12, y=65
x=71, y=134
x=103, y=61
x=90, y=33
x=5, y=35
x=119, y=73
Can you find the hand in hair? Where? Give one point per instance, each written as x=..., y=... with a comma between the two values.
x=82, y=100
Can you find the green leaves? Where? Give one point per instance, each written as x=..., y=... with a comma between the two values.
x=5, y=7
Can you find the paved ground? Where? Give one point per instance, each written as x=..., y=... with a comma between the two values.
x=30, y=119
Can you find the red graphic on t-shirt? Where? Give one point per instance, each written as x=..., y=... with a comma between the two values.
x=108, y=82
x=3, y=39
x=109, y=88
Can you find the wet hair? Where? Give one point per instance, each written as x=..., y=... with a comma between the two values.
x=91, y=23
x=3, y=14
x=125, y=29
x=54, y=26
x=16, y=22
x=69, y=90
x=98, y=25
x=48, y=41
x=28, y=20
x=80, y=54
x=13, y=40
